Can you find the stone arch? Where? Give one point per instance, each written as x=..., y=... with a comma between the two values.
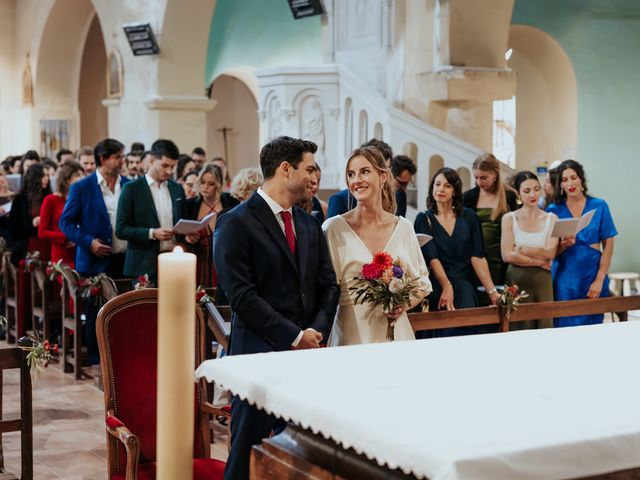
x=546, y=98
x=58, y=63
x=184, y=42
x=465, y=177
x=236, y=109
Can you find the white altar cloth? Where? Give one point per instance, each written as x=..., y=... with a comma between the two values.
x=545, y=404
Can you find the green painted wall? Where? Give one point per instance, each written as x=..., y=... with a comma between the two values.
x=260, y=33
x=602, y=40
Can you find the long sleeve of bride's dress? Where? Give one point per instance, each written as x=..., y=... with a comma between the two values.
x=418, y=265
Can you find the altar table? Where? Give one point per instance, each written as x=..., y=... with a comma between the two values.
x=538, y=404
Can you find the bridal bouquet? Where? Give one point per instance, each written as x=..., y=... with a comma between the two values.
x=385, y=282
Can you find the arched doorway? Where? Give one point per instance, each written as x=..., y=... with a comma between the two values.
x=546, y=98
x=94, y=121
x=234, y=117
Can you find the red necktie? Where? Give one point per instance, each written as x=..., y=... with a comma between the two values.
x=288, y=231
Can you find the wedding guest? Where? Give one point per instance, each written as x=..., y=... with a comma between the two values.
x=246, y=181
x=199, y=156
x=24, y=217
x=581, y=265
x=86, y=158
x=403, y=170
x=343, y=201
x=89, y=221
x=188, y=183
x=184, y=166
x=226, y=176
x=548, y=187
x=6, y=195
x=63, y=156
x=132, y=166
x=51, y=211
x=490, y=199
x=318, y=207
x=210, y=199
x=456, y=250
x=148, y=209
x=28, y=159
x=356, y=236
x=527, y=246
x=138, y=148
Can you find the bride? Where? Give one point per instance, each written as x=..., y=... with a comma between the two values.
x=354, y=237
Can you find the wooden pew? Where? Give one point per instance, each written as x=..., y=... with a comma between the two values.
x=71, y=323
x=16, y=358
x=10, y=275
x=45, y=302
x=526, y=311
x=219, y=322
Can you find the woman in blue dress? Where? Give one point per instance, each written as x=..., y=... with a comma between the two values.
x=581, y=266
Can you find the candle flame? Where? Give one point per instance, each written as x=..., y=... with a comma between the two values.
x=178, y=250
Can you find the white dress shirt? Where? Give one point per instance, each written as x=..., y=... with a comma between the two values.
x=111, y=202
x=164, y=208
x=277, y=210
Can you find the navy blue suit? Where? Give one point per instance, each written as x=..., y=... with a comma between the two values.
x=274, y=295
x=84, y=218
x=340, y=203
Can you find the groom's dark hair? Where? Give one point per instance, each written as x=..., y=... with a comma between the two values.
x=283, y=149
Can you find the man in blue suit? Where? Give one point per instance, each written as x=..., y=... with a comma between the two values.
x=89, y=220
x=273, y=263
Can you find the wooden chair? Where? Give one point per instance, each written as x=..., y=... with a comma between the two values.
x=127, y=338
x=72, y=308
x=16, y=358
x=45, y=302
x=10, y=276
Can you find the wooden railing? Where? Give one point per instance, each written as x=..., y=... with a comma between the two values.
x=219, y=317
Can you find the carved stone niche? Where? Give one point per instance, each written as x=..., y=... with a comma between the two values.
x=312, y=125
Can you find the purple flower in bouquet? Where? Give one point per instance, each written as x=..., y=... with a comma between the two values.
x=398, y=272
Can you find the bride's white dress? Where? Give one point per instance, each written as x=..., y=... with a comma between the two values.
x=366, y=323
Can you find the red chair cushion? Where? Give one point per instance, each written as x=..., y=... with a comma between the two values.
x=203, y=469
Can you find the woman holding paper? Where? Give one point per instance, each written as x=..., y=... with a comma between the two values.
x=581, y=266
x=527, y=246
x=209, y=199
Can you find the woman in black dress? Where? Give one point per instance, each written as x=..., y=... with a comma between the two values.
x=456, y=250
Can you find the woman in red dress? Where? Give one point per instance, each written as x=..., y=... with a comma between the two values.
x=52, y=207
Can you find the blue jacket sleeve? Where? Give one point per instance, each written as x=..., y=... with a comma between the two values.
x=71, y=219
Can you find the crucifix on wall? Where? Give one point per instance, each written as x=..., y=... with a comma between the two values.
x=224, y=131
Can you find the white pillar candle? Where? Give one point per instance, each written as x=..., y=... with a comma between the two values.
x=176, y=354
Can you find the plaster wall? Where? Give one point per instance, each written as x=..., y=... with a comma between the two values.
x=236, y=109
x=8, y=73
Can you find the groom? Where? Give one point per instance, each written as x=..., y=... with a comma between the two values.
x=273, y=263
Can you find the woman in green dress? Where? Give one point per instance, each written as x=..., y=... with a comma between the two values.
x=490, y=199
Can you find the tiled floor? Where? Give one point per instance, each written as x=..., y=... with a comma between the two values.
x=68, y=428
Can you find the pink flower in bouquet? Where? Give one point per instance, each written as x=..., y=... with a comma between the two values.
x=383, y=259
x=372, y=271
x=387, y=275
x=22, y=263
x=94, y=291
x=48, y=271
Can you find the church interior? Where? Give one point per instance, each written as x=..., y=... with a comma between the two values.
x=443, y=82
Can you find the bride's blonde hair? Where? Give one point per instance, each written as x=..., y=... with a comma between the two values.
x=375, y=158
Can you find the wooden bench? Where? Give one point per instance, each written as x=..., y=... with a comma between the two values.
x=219, y=322
x=10, y=276
x=16, y=358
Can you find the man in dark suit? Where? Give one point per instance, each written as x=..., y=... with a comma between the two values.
x=342, y=201
x=148, y=209
x=273, y=263
x=403, y=170
x=89, y=220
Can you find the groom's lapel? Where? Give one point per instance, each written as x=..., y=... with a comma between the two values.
x=266, y=217
x=302, y=241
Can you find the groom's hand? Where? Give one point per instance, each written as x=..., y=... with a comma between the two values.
x=310, y=339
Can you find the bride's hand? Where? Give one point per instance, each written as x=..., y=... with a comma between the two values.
x=395, y=314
